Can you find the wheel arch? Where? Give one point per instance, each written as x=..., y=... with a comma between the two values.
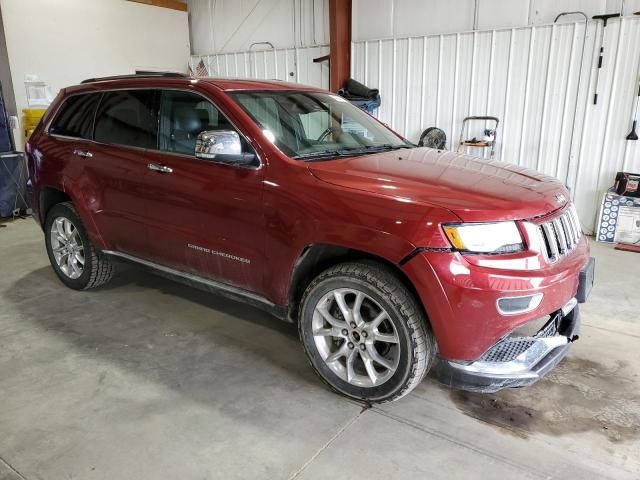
x=49, y=197
x=316, y=258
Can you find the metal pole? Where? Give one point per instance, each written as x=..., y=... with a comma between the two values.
x=605, y=18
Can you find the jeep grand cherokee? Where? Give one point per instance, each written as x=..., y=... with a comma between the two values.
x=391, y=259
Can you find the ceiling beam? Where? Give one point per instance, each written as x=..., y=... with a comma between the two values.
x=172, y=4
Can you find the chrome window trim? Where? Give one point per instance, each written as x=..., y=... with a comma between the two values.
x=183, y=155
x=67, y=137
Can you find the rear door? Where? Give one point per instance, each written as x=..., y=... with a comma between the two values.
x=59, y=151
x=125, y=132
x=205, y=217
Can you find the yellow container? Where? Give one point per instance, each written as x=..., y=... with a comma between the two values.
x=33, y=113
x=30, y=119
x=28, y=132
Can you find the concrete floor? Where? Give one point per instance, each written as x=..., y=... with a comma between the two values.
x=148, y=379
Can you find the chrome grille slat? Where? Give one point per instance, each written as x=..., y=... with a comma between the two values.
x=561, y=234
x=566, y=223
x=574, y=229
x=568, y=228
x=562, y=239
x=567, y=232
x=552, y=241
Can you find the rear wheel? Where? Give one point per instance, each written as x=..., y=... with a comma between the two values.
x=73, y=257
x=364, y=333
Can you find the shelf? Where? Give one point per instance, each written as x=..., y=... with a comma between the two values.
x=477, y=144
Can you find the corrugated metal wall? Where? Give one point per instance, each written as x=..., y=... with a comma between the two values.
x=289, y=64
x=219, y=26
x=528, y=77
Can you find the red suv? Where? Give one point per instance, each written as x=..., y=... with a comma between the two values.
x=391, y=259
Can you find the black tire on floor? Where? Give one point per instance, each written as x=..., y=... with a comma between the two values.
x=381, y=284
x=97, y=270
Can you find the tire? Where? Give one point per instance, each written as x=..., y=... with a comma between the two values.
x=404, y=356
x=96, y=269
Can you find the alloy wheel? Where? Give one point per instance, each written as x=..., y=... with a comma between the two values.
x=355, y=337
x=67, y=248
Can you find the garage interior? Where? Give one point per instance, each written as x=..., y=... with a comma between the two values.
x=148, y=378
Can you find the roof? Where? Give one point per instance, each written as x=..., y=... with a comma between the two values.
x=231, y=84
x=158, y=80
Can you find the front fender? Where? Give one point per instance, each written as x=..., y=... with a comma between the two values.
x=310, y=212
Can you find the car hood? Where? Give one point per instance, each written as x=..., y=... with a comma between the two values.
x=475, y=190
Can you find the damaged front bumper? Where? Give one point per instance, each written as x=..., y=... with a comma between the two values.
x=515, y=361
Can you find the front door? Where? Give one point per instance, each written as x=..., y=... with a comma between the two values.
x=205, y=218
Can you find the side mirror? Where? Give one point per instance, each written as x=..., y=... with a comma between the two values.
x=222, y=146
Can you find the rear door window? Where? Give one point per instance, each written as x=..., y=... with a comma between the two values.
x=75, y=117
x=128, y=117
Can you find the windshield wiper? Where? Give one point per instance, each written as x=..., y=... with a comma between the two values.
x=387, y=146
x=370, y=149
x=348, y=152
x=318, y=155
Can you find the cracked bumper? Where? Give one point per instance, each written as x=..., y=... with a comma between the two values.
x=507, y=364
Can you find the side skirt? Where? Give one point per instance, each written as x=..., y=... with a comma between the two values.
x=207, y=285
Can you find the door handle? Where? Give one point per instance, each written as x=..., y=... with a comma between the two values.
x=83, y=153
x=159, y=168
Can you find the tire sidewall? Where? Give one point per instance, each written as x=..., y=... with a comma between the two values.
x=405, y=365
x=62, y=210
x=423, y=135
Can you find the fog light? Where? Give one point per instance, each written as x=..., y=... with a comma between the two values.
x=516, y=305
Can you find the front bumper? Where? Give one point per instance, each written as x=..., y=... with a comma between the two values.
x=460, y=294
x=515, y=361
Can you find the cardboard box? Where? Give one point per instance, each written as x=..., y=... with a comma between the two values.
x=618, y=219
x=628, y=227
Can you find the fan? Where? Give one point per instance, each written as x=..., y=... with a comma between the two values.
x=433, y=137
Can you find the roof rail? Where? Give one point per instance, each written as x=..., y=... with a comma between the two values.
x=136, y=75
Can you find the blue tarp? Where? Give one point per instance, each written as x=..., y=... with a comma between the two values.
x=13, y=181
x=5, y=139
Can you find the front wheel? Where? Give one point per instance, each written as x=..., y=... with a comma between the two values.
x=364, y=332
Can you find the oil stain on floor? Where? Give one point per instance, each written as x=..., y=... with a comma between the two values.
x=579, y=395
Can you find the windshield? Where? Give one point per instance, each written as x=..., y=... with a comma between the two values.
x=310, y=125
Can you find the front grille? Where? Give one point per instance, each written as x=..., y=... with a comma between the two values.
x=509, y=348
x=561, y=235
x=550, y=329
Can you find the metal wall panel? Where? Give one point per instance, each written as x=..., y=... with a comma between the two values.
x=375, y=19
x=229, y=26
x=288, y=64
x=528, y=77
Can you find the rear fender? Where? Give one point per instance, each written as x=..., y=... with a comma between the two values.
x=79, y=204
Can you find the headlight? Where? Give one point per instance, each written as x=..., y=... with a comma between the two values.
x=502, y=237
